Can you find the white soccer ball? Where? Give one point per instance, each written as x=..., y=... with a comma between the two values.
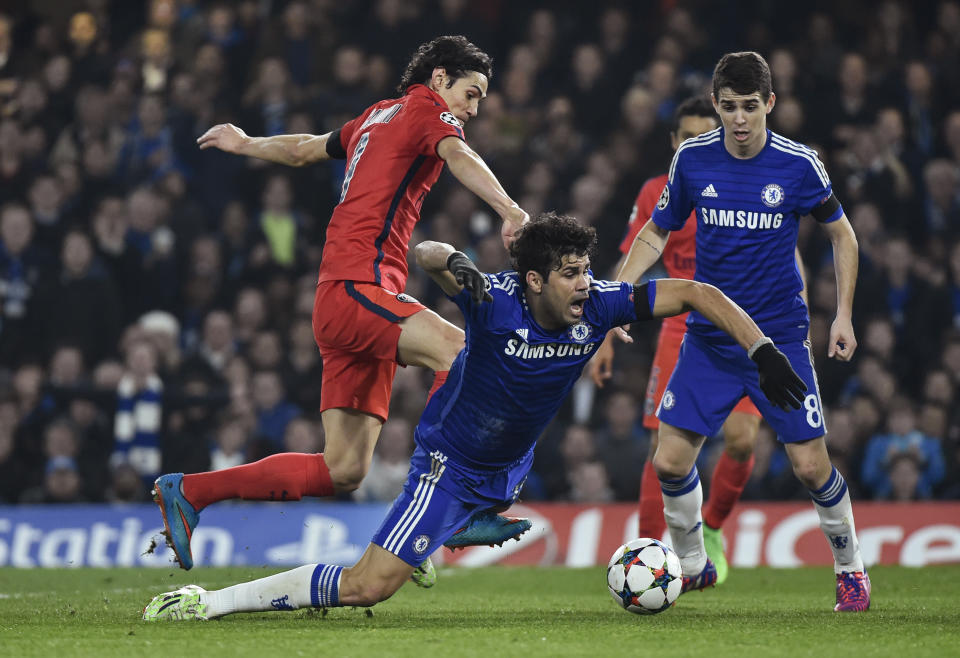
x=644, y=576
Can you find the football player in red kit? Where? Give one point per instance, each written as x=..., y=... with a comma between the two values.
x=363, y=322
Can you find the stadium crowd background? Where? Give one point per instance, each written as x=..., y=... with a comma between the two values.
x=136, y=268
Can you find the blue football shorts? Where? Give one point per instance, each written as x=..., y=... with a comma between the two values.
x=438, y=499
x=711, y=378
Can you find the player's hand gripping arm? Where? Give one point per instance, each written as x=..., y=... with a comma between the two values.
x=779, y=382
x=601, y=365
x=452, y=270
x=843, y=343
x=292, y=150
x=473, y=172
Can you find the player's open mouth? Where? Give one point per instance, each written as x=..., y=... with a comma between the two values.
x=576, y=308
x=741, y=135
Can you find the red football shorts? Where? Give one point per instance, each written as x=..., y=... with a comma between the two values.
x=664, y=361
x=356, y=326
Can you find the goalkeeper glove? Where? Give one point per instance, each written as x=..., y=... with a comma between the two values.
x=778, y=380
x=468, y=276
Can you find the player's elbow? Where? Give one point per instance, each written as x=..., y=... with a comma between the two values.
x=699, y=296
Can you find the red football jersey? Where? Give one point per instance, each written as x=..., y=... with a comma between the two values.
x=392, y=163
x=680, y=254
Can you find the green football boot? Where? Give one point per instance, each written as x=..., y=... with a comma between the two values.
x=181, y=605
x=713, y=540
x=425, y=575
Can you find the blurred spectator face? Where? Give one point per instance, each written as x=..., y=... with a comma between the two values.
x=577, y=445
x=91, y=107
x=266, y=350
x=6, y=40
x=296, y=20
x=60, y=440
x=267, y=390
x=277, y=195
x=942, y=180
x=937, y=387
x=31, y=98
x=45, y=196
x=220, y=23
x=205, y=257
x=890, y=127
x=348, y=66
x=232, y=437
x=142, y=360
x=83, y=413
x=250, y=310
x=126, y=484
x=152, y=114
x=143, y=209
x=951, y=359
x=866, y=221
x=234, y=223
x=622, y=411
x=11, y=141
x=379, y=73
x=163, y=13
x=107, y=374
x=639, y=110
x=302, y=436
x=614, y=26
x=62, y=482
x=788, y=118
x=543, y=29
x=933, y=421
x=866, y=415
x=918, y=80
x=904, y=474
x=587, y=65
x=590, y=483
x=27, y=381
x=522, y=58
x=899, y=256
x=82, y=30
x=273, y=76
x=97, y=161
x=209, y=63
x=237, y=372
x=843, y=435
x=66, y=366
x=16, y=229
x=57, y=73
x=396, y=441
x=218, y=331
x=518, y=88
x=901, y=420
x=301, y=336
x=853, y=74
x=662, y=79
x=879, y=337
x=76, y=255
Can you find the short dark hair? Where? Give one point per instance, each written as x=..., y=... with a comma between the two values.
x=695, y=106
x=543, y=242
x=744, y=73
x=454, y=53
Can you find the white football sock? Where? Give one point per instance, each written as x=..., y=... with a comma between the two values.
x=682, y=500
x=832, y=502
x=314, y=585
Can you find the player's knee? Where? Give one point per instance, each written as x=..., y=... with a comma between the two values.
x=668, y=468
x=453, y=343
x=811, y=474
x=738, y=450
x=347, y=476
x=372, y=593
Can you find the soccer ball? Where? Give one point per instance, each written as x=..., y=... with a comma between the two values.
x=644, y=576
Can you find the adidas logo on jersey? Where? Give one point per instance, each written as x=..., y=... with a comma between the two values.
x=709, y=191
x=523, y=333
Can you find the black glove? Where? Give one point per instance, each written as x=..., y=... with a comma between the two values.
x=468, y=276
x=778, y=381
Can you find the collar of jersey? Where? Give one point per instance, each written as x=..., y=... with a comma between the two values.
x=427, y=92
x=730, y=156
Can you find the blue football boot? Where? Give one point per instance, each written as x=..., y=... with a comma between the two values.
x=706, y=578
x=488, y=528
x=179, y=516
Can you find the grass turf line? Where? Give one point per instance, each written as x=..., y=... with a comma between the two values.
x=492, y=611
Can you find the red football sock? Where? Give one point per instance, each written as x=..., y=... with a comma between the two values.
x=729, y=479
x=652, y=523
x=438, y=379
x=287, y=476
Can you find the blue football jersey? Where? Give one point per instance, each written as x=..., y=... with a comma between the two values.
x=748, y=214
x=513, y=375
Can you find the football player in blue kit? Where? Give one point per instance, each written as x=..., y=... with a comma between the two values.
x=749, y=188
x=529, y=334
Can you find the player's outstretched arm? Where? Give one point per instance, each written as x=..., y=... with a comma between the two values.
x=473, y=172
x=778, y=380
x=646, y=249
x=452, y=270
x=843, y=342
x=292, y=150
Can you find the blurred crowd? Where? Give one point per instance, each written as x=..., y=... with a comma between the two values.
x=155, y=299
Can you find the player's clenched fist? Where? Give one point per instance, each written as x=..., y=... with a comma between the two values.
x=778, y=380
x=224, y=136
x=468, y=276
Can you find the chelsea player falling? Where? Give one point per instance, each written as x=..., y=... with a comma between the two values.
x=749, y=188
x=529, y=334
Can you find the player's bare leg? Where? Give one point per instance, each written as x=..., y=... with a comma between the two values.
x=811, y=464
x=730, y=476
x=351, y=436
x=675, y=463
x=652, y=523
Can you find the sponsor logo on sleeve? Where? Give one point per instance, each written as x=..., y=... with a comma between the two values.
x=664, y=198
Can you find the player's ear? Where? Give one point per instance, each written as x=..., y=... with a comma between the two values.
x=534, y=281
x=436, y=78
x=771, y=102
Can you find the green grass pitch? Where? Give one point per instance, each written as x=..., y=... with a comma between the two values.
x=489, y=612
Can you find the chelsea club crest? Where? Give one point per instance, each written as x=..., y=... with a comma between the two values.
x=580, y=332
x=772, y=195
